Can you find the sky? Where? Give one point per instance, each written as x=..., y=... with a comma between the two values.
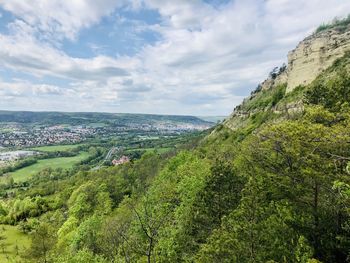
x=188, y=57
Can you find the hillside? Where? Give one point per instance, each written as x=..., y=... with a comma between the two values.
x=310, y=58
x=269, y=184
x=85, y=118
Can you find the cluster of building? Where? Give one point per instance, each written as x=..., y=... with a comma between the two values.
x=121, y=160
x=44, y=136
x=169, y=126
x=12, y=156
x=20, y=135
x=178, y=127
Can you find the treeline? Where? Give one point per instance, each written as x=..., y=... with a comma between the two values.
x=18, y=165
x=32, y=160
x=95, y=151
x=93, y=118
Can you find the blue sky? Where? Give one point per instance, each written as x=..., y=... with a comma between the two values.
x=151, y=56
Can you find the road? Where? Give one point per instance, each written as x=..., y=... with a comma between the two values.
x=108, y=156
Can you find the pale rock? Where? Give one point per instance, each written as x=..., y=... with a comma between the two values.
x=313, y=55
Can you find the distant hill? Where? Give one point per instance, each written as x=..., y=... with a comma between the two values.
x=214, y=119
x=81, y=118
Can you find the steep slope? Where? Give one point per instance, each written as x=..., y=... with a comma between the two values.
x=293, y=150
x=314, y=54
x=311, y=57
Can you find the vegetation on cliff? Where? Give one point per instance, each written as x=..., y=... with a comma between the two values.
x=337, y=24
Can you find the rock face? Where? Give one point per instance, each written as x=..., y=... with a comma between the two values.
x=311, y=56
x=314, y=54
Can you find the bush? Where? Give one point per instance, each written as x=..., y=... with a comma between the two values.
x=340, y=25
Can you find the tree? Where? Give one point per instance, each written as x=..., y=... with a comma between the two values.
x=42, y=241
x=82, y=256
x=149, y=218
x=114, y=238
x=300, y=160
x=87, y=235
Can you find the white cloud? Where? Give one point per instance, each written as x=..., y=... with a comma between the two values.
x=231, y=47
x=61, y=18
x=206, y=60
x=22, y=88
x=45, y=89
x=25, y=53
x=182, y=14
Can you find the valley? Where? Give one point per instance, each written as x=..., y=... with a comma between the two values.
x=268, y=183
x=31, y=142
x=37, y=145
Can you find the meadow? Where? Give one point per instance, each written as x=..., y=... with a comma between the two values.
x=55, y=148
x=25, y=173
x=12, y=243
x=158, y=150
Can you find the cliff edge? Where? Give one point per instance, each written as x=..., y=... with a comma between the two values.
x=309, y=59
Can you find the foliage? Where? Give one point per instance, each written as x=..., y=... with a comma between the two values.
x=332, y=89
x=338, y=24
x=265, y=98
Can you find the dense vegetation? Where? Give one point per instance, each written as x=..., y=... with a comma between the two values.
x=277, y=189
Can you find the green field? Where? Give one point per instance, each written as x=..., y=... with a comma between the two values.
x=97, y=124
x=10, y=237
x=159, y=150
x=163, y=150
x=55, y=148
x=60, y=162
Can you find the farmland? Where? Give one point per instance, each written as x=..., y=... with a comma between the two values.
x=53, y=163
x=55, y=148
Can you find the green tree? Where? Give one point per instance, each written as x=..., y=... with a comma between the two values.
x=42, y=241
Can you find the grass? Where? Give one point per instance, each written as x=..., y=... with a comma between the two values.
x=55, y=148
x=159, y=150
x=25, y=173
x=6, y=130
x=339, y=24
x=11, y=237
x=295, y=95
x=265, y=98
x=164, y=150
x=97, y=124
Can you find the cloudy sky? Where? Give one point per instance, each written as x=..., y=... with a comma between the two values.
x=197, y=57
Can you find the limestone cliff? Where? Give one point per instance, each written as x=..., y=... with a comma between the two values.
x=311, y=56
x=314, y=54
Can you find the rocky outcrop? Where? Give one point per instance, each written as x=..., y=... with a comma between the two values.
x=311, y=56
x=314, y=54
